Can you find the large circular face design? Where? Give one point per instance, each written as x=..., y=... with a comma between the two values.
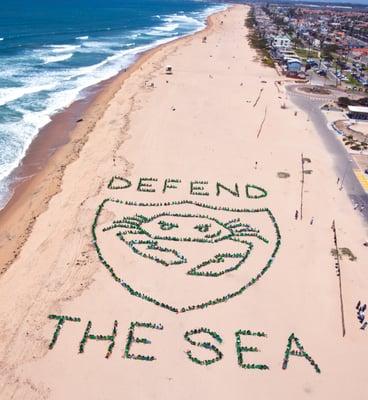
x=184, y=255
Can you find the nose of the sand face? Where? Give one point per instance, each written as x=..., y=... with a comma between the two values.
x=161, y=252
x=222, y=263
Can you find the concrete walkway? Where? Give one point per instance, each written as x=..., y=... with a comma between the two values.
x=345, y=166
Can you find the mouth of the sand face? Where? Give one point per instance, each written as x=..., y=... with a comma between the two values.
x=222, y=263
x=208, y=260
x=176, y=272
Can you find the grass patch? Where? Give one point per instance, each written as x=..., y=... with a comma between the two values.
x=306, y=53
x=353, y=81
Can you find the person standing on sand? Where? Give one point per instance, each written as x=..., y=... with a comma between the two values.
x=296, y=214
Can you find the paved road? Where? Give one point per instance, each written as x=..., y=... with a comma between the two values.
x=318, y=80
x=344, y=164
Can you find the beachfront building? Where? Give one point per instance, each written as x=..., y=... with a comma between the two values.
x=289, y=55
x=281, y=42
x=316, y=44
x=358, y=112
x=283, y=55
x=294, y=66
x=359, y=53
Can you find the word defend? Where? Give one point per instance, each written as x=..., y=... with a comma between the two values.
x=195, y=187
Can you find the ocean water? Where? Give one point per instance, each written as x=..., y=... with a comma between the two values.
x=51, y=51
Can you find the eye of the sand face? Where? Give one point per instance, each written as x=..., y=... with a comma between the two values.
x=167, y=226
x=203, y=227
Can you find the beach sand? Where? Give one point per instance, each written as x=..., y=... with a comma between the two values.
x=218, y=119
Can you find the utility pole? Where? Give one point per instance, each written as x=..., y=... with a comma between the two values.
x=302, y=188
x=336, y=74
x=338, y=271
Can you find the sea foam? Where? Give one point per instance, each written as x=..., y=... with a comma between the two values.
x=54, y=59
x=8, y=95
x=63, y=48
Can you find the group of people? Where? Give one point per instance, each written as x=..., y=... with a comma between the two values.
x=359, y=207
x=361, y=308
x=296, y=216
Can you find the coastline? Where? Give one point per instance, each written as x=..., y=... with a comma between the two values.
x=213, y=143
x=36, y=180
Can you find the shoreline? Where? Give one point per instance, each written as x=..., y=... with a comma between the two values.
x=35, y=180
x=113, y=253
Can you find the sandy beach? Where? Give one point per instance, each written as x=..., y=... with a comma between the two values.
x=187, y=221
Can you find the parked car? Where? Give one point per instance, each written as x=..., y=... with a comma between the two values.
x=312, y=63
